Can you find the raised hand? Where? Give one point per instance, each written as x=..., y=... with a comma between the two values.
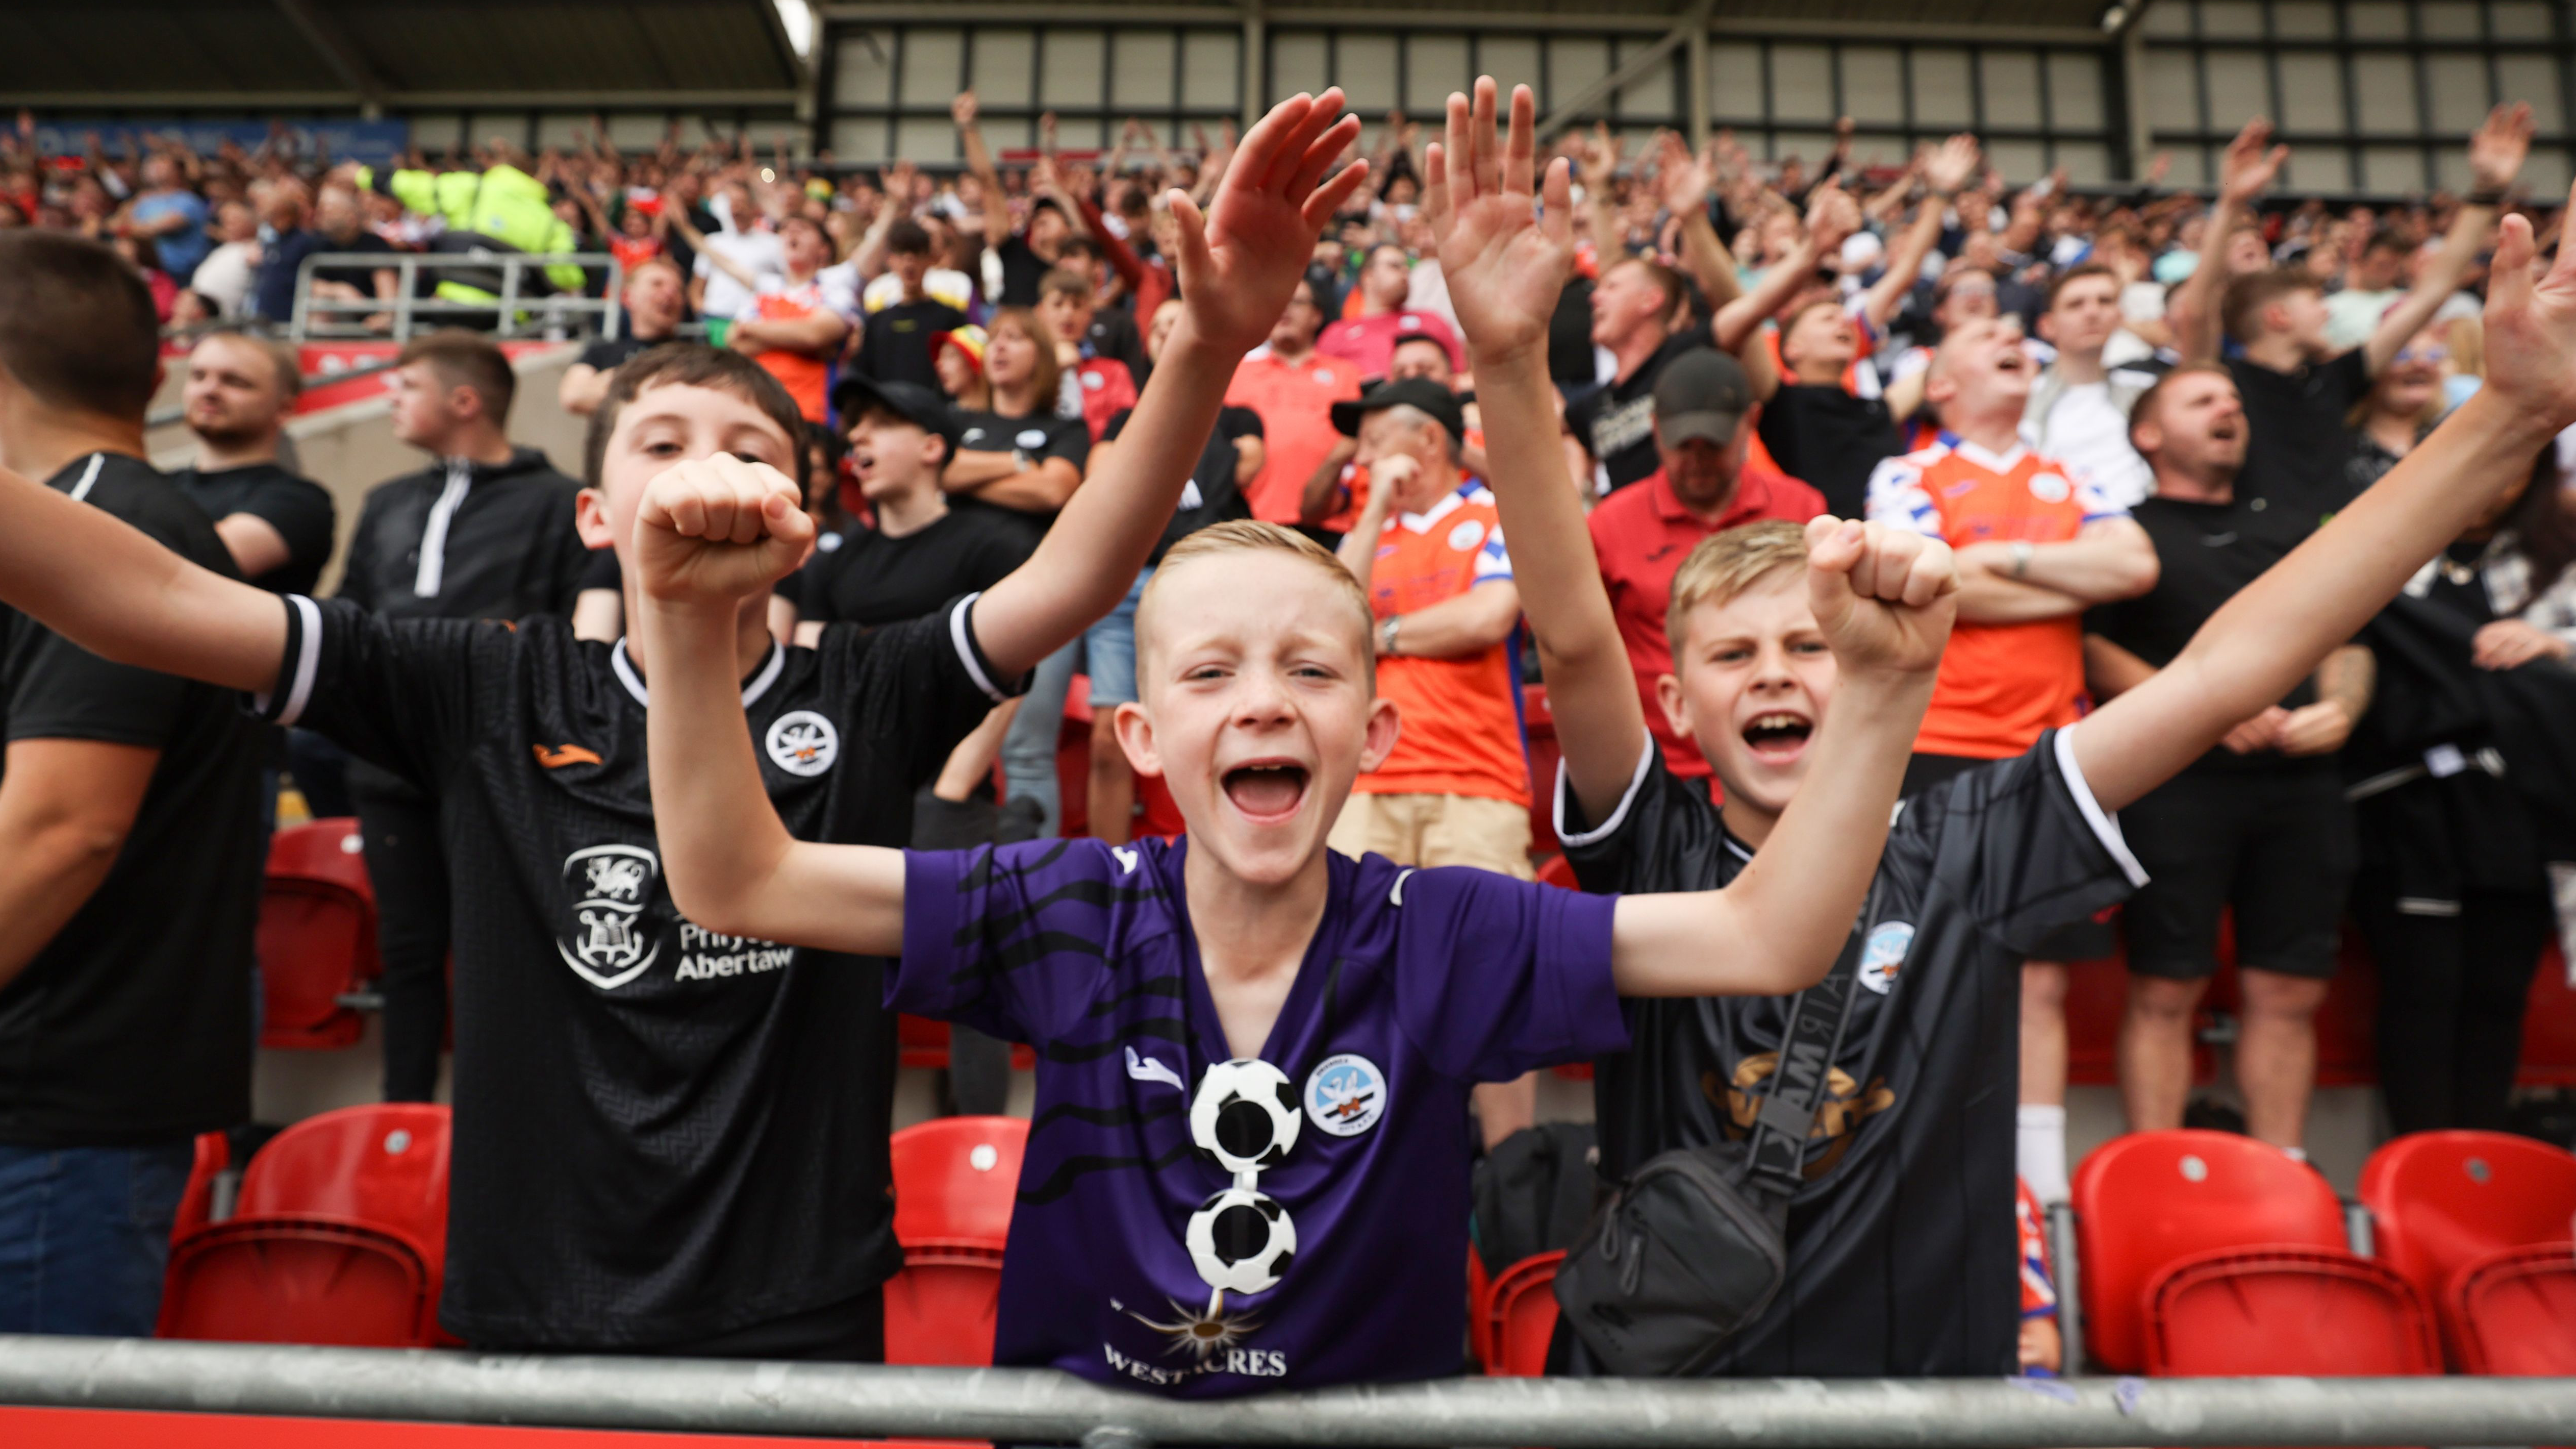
x=1831, y=216
x=1682, y=178
x=963, y=110
x=2531, y=327
x=2248, y=168
x=2498, y=146
x=1947, y=169
x=717, y=530
x=1239, y=261
x=1503, y=262
x=1601, y=158
x=1884, y=597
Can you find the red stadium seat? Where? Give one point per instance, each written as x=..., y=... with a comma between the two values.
x=2549, y=1027
x=1520, y=1317
x=306, y=1280
x=383, y=1165
x=921, y=1044
x=954, y=1181
x=1556, y=870
x=2514, y=1311
x=2286, y=1309
x=1479, y=1288
x=940, y=1310
x=2441, y=1200
x=317, y=936
x=197, y=1202
x=1538, y=731
x=2151, y=1199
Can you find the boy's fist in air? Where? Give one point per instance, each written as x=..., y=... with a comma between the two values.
x=717, y=530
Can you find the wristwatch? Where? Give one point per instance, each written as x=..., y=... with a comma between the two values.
x=1386, y=634
x=2021, y=552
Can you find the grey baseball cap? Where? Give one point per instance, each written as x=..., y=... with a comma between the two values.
x=1701, y=394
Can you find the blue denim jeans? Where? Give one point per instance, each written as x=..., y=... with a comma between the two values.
x=85, y=1236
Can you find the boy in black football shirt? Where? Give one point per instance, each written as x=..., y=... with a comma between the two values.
x=667, y=1140
x=1902, y=1256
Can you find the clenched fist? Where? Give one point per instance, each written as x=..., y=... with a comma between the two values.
x=717, y=530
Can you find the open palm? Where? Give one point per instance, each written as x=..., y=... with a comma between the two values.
x=1504, y=261
x=2531, y=326
x=1240, y=260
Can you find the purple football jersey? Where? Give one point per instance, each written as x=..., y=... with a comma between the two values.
x=1418, y=984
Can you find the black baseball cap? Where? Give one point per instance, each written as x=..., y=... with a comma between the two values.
x=1701, y=394
x=909, y=401
x=1412, y=392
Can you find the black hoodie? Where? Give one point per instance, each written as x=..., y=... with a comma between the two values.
x=467, y=540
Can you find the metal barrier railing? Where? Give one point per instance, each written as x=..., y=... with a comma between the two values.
x=525, y=305
x=1027, y=1406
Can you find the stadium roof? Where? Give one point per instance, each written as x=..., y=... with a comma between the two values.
x=265, y=54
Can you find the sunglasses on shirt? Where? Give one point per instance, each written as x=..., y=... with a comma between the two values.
x=1245, y=1115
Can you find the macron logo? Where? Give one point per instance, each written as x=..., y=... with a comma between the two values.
x=1147, y=1069
x=1126, y=859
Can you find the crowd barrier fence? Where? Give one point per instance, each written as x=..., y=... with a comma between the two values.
x=1026, y=1406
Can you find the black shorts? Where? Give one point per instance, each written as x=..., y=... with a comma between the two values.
x=2277, y=845
x=2086, y=940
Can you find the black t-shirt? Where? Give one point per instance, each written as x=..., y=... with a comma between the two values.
x=1037, y=437
x=2205, y=553
x=1211, y=495
x=894, y=341
x=298, y=508
x=1827, y=437
x=1569, y=336
x=662, y=1133
x=2297, y=445
x=1616, y=423
x=132, y=1025
x=1113, y=335
x=872, y=579
x=363, y=278
x=1902, y=1251
x=613, y=353
x=1022, y=270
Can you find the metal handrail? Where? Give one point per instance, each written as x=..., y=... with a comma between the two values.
x=1043, y=1406
x=521, y=311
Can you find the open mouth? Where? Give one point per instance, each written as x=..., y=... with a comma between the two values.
x=1778, y=737
x=1266, y=790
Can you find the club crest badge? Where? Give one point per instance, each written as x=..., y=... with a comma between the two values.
x=1345, y=1095
x=610, y=885
x=1883, y=954
x=802, y=742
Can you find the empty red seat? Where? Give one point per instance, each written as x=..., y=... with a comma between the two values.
x=317, y=936
x=196, y=1202
x=2514, y=1311
x=941, y=1309
x=1520, y=1317
x=2286, y=1310
x=384, y=1165
x=2148, y=1200
x=954, y=1181
x=309, y=1280
x=2549, y=1026
x=1479, y=1287
x=2440, y=1200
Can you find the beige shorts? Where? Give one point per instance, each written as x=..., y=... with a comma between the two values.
x=1432, y=830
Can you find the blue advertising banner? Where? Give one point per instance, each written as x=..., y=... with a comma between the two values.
x=375, y=143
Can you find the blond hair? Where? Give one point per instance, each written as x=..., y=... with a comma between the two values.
x=1725, y=565
x=1245, y=535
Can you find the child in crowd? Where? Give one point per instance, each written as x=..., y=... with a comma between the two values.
x=1248, y=1167
x=1910, y=1182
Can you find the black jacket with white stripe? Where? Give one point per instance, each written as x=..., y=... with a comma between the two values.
x=467, y=540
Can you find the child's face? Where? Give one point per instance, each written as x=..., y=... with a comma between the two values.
x=666, y=425
x=1754, y=679
x=1258, y=709
x=1067, y=316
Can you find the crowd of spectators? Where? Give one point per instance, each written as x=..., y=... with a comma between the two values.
x=2117, y=407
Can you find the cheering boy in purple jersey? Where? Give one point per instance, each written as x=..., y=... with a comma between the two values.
x=1908, y=1196
x=1248, y=1165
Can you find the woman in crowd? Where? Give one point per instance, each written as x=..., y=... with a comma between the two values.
x=2404, y=402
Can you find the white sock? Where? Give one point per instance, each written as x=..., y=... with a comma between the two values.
x=2039, y=1150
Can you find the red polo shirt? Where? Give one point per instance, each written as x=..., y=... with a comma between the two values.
x=1641, y=534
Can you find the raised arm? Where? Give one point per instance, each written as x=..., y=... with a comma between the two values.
x=2496, y=153
x=2285, y=623
x=1944, y=173
x=979, y=164
x=1684, y=180
x=1506, y=261
x=1236, y=266
x=1831, y=216
x=110, y=588
x=2249, y=165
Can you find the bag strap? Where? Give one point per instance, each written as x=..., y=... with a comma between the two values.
x=1777, y=1152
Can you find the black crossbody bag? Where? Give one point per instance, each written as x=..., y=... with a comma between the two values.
x=1695, y=1245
